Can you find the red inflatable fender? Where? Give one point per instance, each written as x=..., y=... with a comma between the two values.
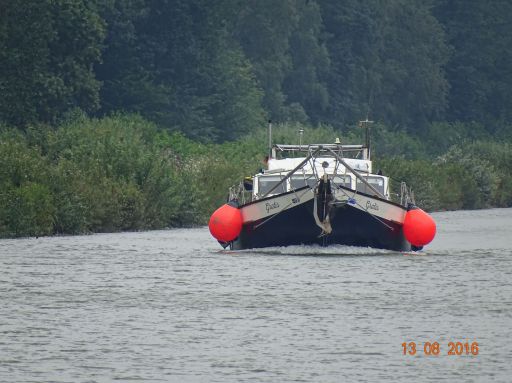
x=419, y=227
x=226, y=223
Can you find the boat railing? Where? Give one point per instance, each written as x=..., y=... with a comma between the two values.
x=239, y=193
x=338, y=155
x=400, y=193
x=349, y=151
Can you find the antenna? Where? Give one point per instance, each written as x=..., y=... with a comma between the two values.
x=269, y=138
x=366, y=125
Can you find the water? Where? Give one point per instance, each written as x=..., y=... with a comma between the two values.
x=169, y=306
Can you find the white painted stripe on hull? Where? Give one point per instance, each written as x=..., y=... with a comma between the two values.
x=268, y=207
x=379, y=208
x=277, y=204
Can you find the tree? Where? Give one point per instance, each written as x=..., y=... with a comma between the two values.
x=263, y=29
x=126, y=71
x=479, y=69
x=305, y=83
x=174, y=62
x=386, y=60
x=413, y=89
x=47, y=49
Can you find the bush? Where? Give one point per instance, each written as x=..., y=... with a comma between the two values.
x=27, y=211
x=122, y=173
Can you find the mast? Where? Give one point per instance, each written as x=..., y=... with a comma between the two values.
x=269, y=138
x=366, y=125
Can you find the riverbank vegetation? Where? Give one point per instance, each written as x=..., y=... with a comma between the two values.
x=123, y=173
x=138, y=114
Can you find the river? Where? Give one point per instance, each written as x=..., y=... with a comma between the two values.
x=170, y=306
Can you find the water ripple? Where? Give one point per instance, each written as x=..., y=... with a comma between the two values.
x=169, y=306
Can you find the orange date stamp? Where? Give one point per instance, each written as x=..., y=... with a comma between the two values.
x=434, y=348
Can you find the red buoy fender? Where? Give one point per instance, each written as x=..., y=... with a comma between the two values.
x=226, y=223
x=419, y=227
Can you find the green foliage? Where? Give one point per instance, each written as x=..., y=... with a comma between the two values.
x=175, y=63
x=215, y=71
x=27, y=210
x=47, y=49
x=441, y=136
x=435, y=76
x=26, y=206
x=470, y=175
x=305, y=84
x=122, y=173
x=263, y=29
x=387, y=60
x=479, y=67
x=288, y=133
x=95, y=175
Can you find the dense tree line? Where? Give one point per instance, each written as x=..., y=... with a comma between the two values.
x=122, y=173
x=216, y=70
x=139, y=114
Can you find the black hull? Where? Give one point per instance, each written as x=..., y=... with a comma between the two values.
x=295, y=226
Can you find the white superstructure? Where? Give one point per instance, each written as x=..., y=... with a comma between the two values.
x=309, y=173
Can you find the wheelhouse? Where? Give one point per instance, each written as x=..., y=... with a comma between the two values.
x=277, y=184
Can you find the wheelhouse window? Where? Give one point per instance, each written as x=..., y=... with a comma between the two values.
x=375, y=181
x=297, y=182
x=342, y=180
x=266, y=183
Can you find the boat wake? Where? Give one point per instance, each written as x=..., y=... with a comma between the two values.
x=315, y=250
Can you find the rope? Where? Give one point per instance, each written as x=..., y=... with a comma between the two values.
x=325, y=225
